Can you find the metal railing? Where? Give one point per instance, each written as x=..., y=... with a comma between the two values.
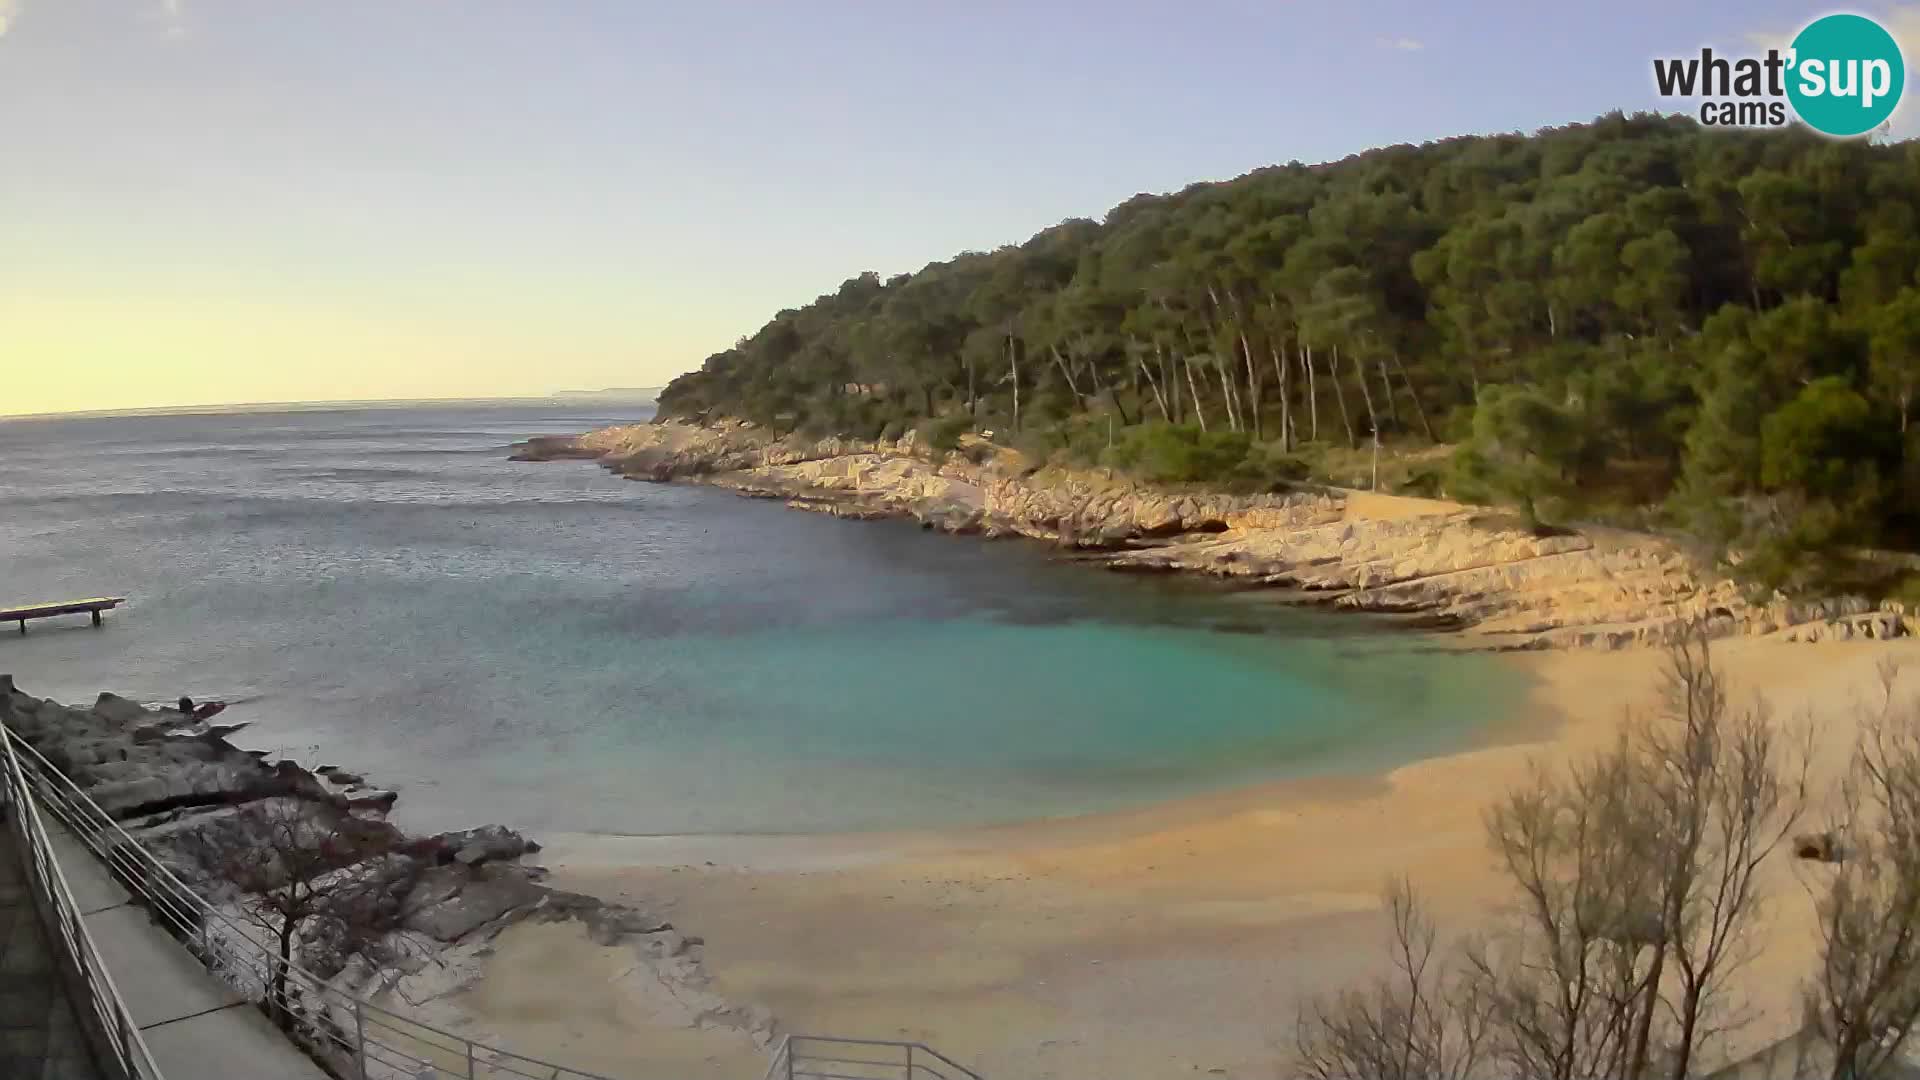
x=354, y=1037
x=350, y=1034
x=119, y=1049
x=824, y=1057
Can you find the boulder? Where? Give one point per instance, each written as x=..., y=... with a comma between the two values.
x=490, y=893
x=484, y=844
x=609, y=924
x=369, y=798
x=123, y=796
x=118, y=710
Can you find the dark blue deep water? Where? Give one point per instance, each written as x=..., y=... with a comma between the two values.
x=551, y=647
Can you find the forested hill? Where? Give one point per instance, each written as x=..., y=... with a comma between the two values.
x=1636, y=318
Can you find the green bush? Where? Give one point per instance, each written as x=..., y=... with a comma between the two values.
x=1267, y=468
x=942, y=434
x=1179, y=454
x=1457, y=427
x=1906, y=591
x=1425, y=483
x=1036, y=444
x=1085, y=441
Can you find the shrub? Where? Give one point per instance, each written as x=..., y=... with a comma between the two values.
x=1175, y=454
x=1267, y=468
x=1425, y=483
x=942, y=434
x=1906, y=591
x=1458, y=425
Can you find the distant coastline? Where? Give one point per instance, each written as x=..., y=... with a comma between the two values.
x=632, y=396
x=614, y=393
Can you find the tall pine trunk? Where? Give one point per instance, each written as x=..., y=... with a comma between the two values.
x=1339, y=395
x=1286, y=400
x=1158, y=398
x=1253, y=387
x=1366, y=395
x=1170, y=379
x=1419, y=410
x=1221, y=371
x=1199, y=410
x=1013, y=364
x=1079, y=402
x=1313, y=393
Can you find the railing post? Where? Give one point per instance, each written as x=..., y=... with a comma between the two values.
x=909, y=1061
x=360, y=1038
x=789, y=1057
x=469, y=1043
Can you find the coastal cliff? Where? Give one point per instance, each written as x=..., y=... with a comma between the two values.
x=1446, y=566
x=427, y=909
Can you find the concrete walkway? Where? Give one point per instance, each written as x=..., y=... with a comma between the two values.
x=194, y=1024
x=39, y=1038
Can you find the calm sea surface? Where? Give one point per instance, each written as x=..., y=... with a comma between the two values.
x=551, y=647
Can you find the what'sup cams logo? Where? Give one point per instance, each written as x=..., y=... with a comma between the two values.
x=1842, y=76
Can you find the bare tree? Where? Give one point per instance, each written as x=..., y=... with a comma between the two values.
x=1727, y=787
x=1865, y=996
x=1565, y=980
x=292, y=856
x=1424, y=1022
x=1637, y=876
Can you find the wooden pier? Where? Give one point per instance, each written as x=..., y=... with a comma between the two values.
x=91, y=606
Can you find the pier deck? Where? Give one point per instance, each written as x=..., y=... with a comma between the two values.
x=93, y=605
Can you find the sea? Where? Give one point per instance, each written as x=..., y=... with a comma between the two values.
x=551, y=647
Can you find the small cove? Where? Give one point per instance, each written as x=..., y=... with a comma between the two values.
x=549, y=646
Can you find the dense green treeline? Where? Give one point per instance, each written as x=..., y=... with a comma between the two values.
x=1636, y=318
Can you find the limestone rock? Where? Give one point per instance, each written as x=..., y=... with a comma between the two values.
x=611, y=924
x=462, y=904
x=425, y=908
x=1453, y=567
x=118, y=710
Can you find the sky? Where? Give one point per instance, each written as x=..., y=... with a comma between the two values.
x=218, y=201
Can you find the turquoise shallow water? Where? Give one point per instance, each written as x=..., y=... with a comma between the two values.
x=555, y=648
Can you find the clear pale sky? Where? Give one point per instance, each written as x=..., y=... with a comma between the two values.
x=211, y=201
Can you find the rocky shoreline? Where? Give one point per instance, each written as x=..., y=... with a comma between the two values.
x=427, y=908
x=1463, y=569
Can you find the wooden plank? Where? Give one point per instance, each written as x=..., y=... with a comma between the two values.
x=95, y=605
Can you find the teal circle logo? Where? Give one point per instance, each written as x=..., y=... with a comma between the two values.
x=1846, y=75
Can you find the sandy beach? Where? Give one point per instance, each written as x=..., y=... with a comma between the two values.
x=1175, y=939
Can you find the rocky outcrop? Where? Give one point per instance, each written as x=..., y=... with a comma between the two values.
x=1466, y=569
x=425, y=908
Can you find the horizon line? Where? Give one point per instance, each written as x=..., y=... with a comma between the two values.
x=319, y=404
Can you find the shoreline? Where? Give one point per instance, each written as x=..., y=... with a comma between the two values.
x=428, y=910
x=1528, y=721
x=1472, y=573
x=1176, y=937
x=1534, y=720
